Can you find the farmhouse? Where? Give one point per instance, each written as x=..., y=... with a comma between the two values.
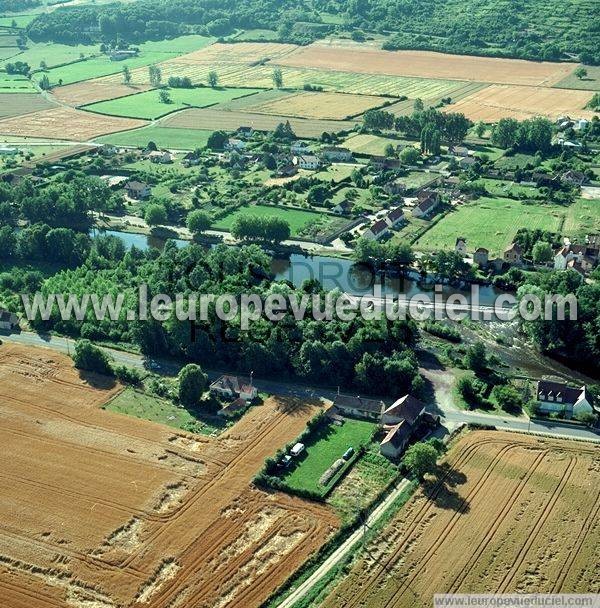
x=459, y=151
x=235, y=144
x=359, y=407
x=299, y=148
x=573, y=178
x=460, y=246
x=466, y=162
x=396, y=440
x=564, y=399
x=121, y=55
x=380, y=163
x=191, y=159
x=245, y=132
x=426, y=207
x=8, y=320
x=336, y=154
x=378, y=230
x=396, y=186
x=160, y=157
x=407, y=408
x=343, y=208
x=406, y=414
x=234, y=386
x=307, y=161
x=137, y=190
x=481, y=256
x=512, y=254
x=287, y=170
x=395, y=217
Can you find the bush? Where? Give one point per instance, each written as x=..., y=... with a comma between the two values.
x=128, y=375
x=442, y=331
x=91, y=358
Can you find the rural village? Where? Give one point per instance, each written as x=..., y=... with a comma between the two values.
x=265, y=147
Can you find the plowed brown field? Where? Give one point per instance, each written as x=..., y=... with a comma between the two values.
x=100, y=510
x=506, y=513
x=426, y=64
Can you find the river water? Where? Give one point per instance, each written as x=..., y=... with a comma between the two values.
x=349, y=277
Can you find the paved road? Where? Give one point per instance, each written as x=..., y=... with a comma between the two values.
x=451, y=417
x=344, y=549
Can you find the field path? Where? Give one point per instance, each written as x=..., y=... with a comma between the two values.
x=342, y=551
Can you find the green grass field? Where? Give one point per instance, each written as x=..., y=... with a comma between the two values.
x=297, y=218
x=15, y=83
x=590, y=83
x=324, y=447
x=582, y=217
x=364, y=143
x=148, y=407
x=101, y=65
x=490, y=223
x=20, y=20
x=53, y=53
x=148, y=105
x=163, y=137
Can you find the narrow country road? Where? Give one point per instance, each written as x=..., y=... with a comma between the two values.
x=451, y=417
x=342, y=551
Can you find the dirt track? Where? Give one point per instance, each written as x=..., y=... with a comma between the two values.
x=101, y=510
x=507, y=513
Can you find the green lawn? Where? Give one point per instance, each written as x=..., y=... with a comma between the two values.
x=21, y=20
x=324, y=447
x=335, y=173
x=148, y=407
x=490, y=223
x=498, y=187
x=163, y=137
x=148, y=105
x=297, y=218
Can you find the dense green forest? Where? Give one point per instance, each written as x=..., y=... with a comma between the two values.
x=533, y=29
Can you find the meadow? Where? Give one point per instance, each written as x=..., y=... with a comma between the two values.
x=297, y=218
x=147, y=105
x=323, y=448
x=163, y=137
x=582, y=217
x=489, y=222
x=15, y=83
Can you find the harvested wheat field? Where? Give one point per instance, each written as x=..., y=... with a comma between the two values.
x=213, y=119
x=91, y=91
x=426, y=64
x=248, y=53
x=502, y=101
x=100, y=510
x=506, y=513
x=66, y=123
x=333, y=106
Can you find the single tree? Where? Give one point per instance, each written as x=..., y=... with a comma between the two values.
x=278, y=78
x=156, y=215
x=213, y=79
x=421, y=459
x=155, y=75
x=126, y=75
x=581, y=72
x=43, y=65
x=44, y=82
x=91, y=358
x=164, y=96
x=480, y=129
x=542, y=252
x=198, y=222
x=192, y=383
